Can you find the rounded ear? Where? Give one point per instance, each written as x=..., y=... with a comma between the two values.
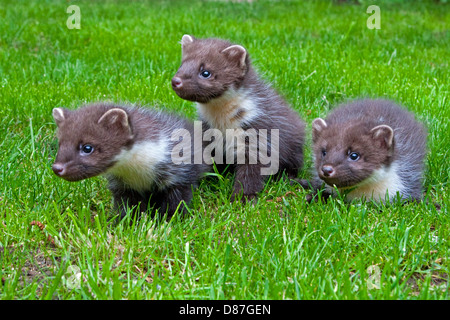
x=318, y=125
x=58, y=115
x=115, y=118
x=186, y=40
x=236, y=52
x=383, y=135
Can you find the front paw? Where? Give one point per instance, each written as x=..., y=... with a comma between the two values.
x=314, y=196
x=309, y=198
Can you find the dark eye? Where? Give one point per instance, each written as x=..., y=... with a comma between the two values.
x=205, y=74
x=353, y=156
x=87, y=149
x=324, y=153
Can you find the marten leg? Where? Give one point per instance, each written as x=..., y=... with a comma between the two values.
x=177, y=197
x=127, y=198
x=291, y=174
x=248, y=182
x=291, y=161
x=315, y=184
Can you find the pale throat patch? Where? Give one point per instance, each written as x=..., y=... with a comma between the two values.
x=383, y=181
x=137, y=166
x=230, y=111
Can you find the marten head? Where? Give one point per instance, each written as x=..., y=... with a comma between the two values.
x=209, y=67
x=89, y=139
x=347, y=154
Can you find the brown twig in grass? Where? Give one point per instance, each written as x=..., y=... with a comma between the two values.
x=279, y=199
x=37, y=223
x=42, y=227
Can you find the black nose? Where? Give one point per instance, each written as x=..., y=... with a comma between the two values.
x=176, y=82
x=58, y=169
x=328, y=171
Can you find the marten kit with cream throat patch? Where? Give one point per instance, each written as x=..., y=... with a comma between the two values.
x=372, y=149
x=132, y=147
x=229, y=94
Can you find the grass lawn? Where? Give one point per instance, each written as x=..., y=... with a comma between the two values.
x=317, y=54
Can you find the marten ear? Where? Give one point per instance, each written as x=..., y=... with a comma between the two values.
x=318, y=125
x=383, y=135
x=115, y=118
x=58, y=115
x=236, y=52
x=186, y=40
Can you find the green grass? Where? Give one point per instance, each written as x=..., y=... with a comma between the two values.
x=317, y=54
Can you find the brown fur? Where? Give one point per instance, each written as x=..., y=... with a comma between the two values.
x=205, y=54
x=81, y=127
x=340, y=140
x=115, y=131
x=382, y=134
x=233, y=82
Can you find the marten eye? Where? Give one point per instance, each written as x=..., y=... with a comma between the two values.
x=324, y=152
x=87, y=149
x=354, y=156
x=205, y=74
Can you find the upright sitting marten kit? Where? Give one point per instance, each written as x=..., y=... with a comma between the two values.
x=218, y=76
x=132, y=147
x=370, y=149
